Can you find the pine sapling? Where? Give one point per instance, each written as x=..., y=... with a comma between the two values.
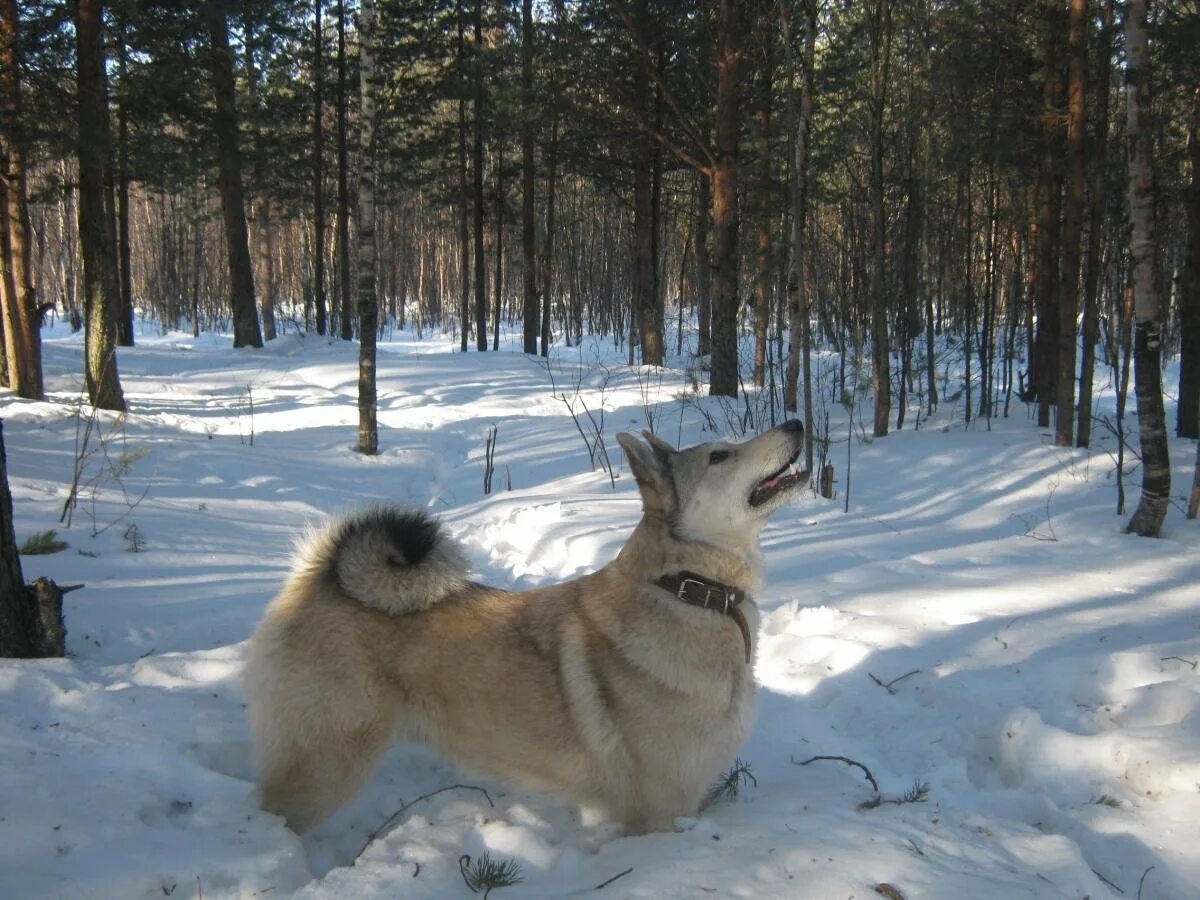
x=135, y=541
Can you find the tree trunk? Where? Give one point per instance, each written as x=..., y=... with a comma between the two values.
x=368, y=305
x=22, y=318
x=654, y=320
x=548, y=250
x=643, y=254
x=477, y=176
x=100, y=280
x=343, y=184
x=724, y=376
x=881, y=41
x=764, y=277
x=16, y=620
x=917, y=145
x=1044, y=365
x=1188, y=419
x=124, y=249
x=265, y=243
x=31, y=621
x=464, y=247
x=1091, y=293
x=18, y=634
x=703, y=265
x=498, y=281
x=644, y=294
x=529, y=303
x=799, y=324
x=968, y=288
x=318, y=138
x=1194, y=499
x=229, y=180
x=1072, y=222
x=1156, y=466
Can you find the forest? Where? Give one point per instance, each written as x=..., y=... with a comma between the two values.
x=1019, y=177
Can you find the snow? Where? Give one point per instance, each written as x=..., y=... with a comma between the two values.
x=976, y=622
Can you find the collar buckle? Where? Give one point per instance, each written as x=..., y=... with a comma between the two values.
x=709, y=590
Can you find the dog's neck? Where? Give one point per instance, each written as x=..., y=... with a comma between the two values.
x=653, y=551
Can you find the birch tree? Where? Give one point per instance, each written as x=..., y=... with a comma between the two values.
x=1147, y=336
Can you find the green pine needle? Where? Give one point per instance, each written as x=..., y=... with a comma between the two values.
x=42, y=543
x=730, y=784
x=487, y=873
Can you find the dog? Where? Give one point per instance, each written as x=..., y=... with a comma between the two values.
x=627, y=690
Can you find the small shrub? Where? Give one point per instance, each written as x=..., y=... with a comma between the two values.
x=135, y=541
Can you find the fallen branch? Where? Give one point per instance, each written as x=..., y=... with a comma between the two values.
x=918, y=793
x=1142, y=880
x=394, y=817
x=605, y=884
x=1190, y=662
x=888, y=687
x=848, y=761
x=1109, y=883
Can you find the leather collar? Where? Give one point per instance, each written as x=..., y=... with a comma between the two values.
x=697, y=590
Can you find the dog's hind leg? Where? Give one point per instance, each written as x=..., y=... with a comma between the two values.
x=308, y=779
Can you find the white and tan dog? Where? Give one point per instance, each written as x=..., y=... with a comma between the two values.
x=627, y=690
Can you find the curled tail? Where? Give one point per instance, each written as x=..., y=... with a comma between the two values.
x=392, y=559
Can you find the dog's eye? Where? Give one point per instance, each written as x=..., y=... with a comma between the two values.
x=718, y=456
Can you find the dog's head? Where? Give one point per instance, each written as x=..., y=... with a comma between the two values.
x=719, y=493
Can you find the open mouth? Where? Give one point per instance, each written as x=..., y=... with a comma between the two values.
x=788, y=476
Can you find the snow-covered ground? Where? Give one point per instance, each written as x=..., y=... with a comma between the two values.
x=1042, y=665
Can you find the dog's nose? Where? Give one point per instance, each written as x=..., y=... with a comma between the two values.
x=792, y=425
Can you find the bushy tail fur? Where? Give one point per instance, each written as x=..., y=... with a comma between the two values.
x=392, y=559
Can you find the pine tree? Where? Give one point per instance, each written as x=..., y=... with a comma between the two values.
x=368, y=306
x=101, y=289
x=18, y=298
x=246, y=331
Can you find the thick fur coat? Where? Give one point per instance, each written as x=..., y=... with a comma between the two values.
x=606, y=689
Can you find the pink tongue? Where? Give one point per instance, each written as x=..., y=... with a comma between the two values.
x=770, y=482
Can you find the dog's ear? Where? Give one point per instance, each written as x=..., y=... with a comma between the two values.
x=664, y=450
x=651, y=468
